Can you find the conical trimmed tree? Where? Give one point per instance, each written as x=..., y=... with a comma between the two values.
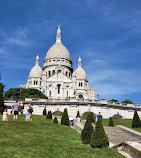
x=55, y=120
x=111, y=123
x=49, y=115
x=78, y=114
x=136, y=123
x=87, y=131
x=92, y=117
x=99, y=139
x=44, y=111
x=65, y=118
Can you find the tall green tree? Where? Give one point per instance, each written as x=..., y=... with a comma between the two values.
x=99, y=139
x=87, y=131
x=17, y=93
x=65, y=118
x=136, y=123
x=2, y=107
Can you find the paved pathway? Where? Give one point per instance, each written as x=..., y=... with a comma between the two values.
x=116, y=134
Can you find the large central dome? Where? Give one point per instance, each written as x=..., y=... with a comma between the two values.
x=58, y=50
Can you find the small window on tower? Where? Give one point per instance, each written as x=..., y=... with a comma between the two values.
x=49, y=73
x=59, y=71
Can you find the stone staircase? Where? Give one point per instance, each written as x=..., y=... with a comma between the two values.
x=126, y=141
x=118, y=135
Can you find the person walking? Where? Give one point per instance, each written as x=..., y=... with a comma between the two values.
x=99, y=116
x=15, y=107
x=79, y=119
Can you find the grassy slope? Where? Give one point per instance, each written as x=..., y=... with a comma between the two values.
x=42, y=138
x=125, y=122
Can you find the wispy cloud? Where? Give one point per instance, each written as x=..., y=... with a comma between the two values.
x=18, y=37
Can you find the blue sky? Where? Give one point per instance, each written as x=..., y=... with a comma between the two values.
x=106, y=34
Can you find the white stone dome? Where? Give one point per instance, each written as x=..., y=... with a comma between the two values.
x=80, y=73
x=36, y=71
x=58, y=50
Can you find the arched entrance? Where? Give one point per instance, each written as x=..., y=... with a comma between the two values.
x=58, y=88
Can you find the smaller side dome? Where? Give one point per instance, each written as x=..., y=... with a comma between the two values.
x=80, y=72
x=36, y=71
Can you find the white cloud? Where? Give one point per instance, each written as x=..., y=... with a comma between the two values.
x=18, y=38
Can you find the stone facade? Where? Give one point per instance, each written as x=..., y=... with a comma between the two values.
x=57, y=79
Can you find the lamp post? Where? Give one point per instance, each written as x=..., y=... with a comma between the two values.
x=97, y=96
x=20, y=93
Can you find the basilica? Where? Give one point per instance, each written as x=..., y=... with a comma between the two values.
x=56, y=79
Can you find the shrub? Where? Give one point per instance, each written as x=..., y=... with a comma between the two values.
x=44, y=111
x=78, y=114
x=114, y=100
x=111, y=123
x=127, y=101
x=87, y=131
x=65, y=118
x=99, y=139
x=87, y=113
x=55, y=120
x=92, y=117
x=49, y=115
x=116, y=116
x=57, y=113
x=136, y=120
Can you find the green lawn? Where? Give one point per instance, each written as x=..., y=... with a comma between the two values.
x=42, y=138
x=124, y=122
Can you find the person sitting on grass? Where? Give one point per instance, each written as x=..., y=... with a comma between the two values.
x=4, y=117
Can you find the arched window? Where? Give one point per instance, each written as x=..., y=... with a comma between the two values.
x=49, y=93
x=53, y=72
x=58, y=88
x=69, y=74
x=81, y=84
x=80, y=96
x=59, y=71
x=67, y=94
x=66, y=73
x=49, y=73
